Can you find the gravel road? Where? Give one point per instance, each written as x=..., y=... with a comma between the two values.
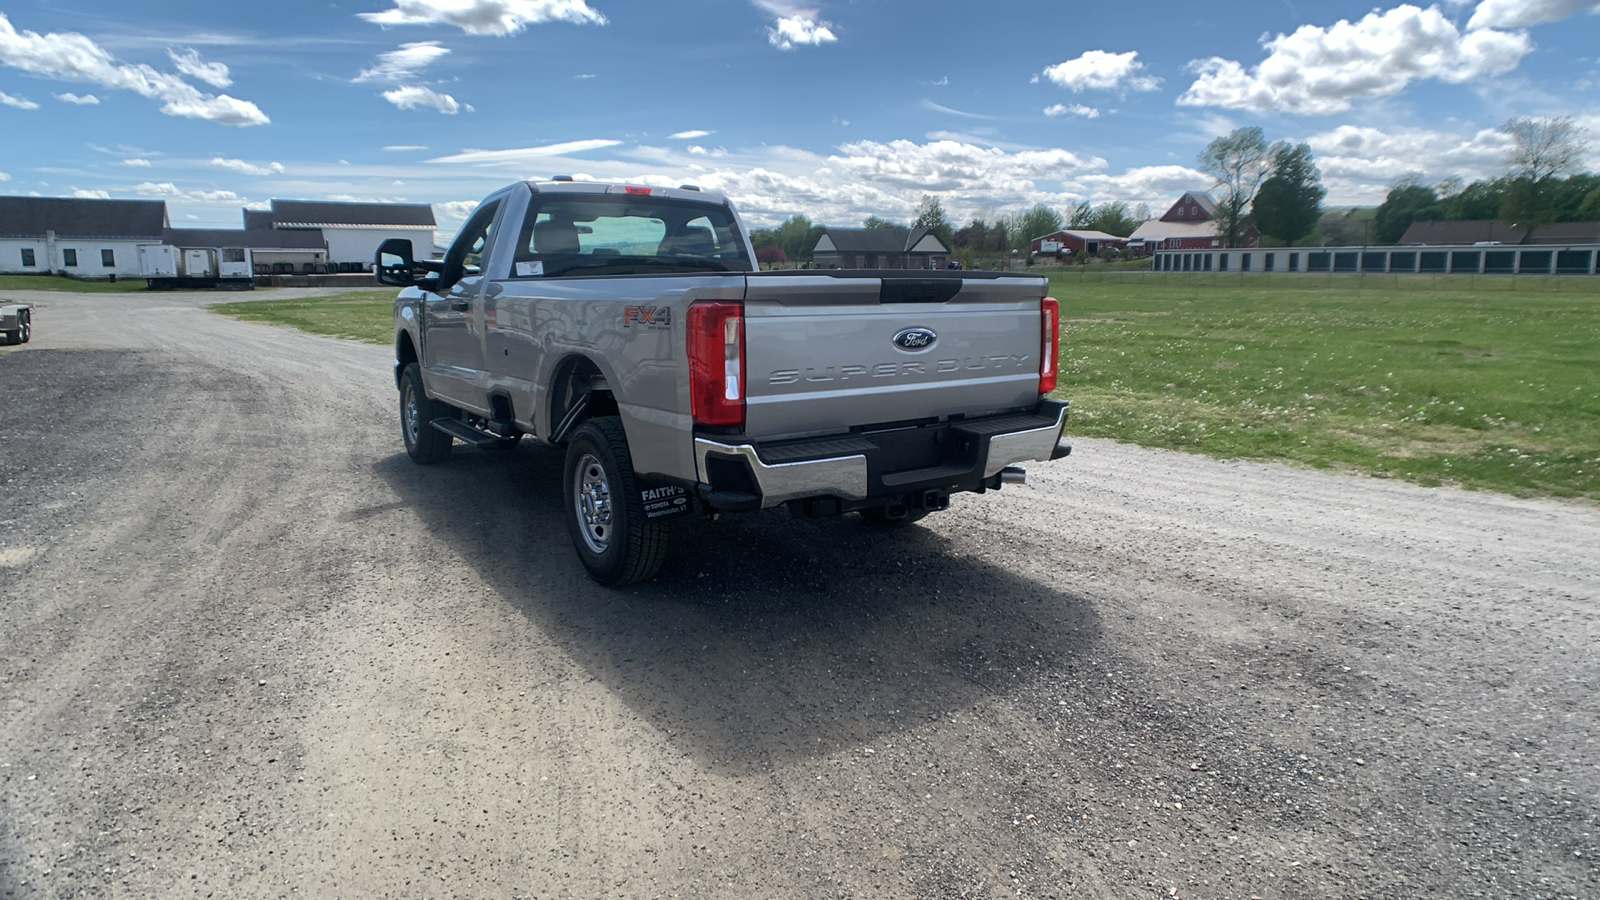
x=250, y=650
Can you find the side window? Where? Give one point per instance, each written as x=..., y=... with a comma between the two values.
x=69, y=256
x=108, y=258
x=27, y=256
x=471, y=247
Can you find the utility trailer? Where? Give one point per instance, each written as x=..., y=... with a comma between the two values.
x=165, y=266
x=16, y=323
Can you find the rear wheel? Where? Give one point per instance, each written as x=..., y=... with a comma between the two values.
x=424, y=443
x=27, y=327
x=605, y=513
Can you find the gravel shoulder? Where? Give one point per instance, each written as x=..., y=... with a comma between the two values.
x=250, y=650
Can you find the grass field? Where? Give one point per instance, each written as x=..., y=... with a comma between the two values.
x=1488, y=382
x=357, y=315
x=61, y=283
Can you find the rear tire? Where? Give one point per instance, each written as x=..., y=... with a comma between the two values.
x=605, y=514
x=424, y=443
x=27, y=327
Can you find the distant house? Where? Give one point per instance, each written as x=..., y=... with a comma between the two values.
x=1464, y=231
x=80, y=237
x=879, y=248
x=1074, y=240
x=1190, y=224
x=1494, y=231
x=354, y=230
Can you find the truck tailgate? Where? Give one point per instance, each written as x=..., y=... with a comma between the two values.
x=831, y=353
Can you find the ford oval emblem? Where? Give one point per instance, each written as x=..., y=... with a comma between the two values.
x=915, y=340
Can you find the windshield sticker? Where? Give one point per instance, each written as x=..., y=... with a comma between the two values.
x=527, y=269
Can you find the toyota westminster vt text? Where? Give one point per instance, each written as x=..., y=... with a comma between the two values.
x=630, y=326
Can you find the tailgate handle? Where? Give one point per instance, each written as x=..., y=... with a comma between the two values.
x=918, y=290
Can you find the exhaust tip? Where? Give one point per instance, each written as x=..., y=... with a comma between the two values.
x=1013, y=475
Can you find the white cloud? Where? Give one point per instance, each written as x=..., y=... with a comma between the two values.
x=188, y=62
x=414, y=96
x=169, y=191
x=399, y=147
x=4, y=177
x=1359, y=162
x=796, y=25
x=1522, y=13
x=72, y=57
x=1099, y=70
x=1076, y=109
x=82, y=194
x=497, y=17
x=1318, y=71
x=137, y=162
x=524, y=156
x=18, y=102
x=688, y=135
x=246, y=168
x=404, y=63
x=85, y=100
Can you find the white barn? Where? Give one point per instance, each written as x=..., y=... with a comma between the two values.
x=353, y=231
x=80, y=238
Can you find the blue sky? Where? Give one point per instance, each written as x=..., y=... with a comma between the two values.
x=838, y=110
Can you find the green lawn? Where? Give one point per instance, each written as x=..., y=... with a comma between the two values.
x=1487, y=383
x=61, y=283
x=357, y=315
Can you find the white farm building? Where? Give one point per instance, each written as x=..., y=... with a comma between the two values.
x=76, y=237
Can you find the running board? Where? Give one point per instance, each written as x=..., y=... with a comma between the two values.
x=462, y=431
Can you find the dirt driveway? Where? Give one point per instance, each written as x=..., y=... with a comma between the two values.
x=249, y=650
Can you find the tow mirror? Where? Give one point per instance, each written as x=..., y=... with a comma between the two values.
x=393, y=265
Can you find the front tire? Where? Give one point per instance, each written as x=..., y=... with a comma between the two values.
x=424, y=443
x=604, y=511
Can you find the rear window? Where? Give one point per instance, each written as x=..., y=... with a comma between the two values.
x=603, y=234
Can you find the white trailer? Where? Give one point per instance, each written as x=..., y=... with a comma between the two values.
x=165, y=267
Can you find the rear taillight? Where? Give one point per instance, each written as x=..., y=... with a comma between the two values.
x=716, y=362
x=1049, y=343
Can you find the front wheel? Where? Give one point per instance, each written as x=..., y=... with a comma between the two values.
x=27, y=328
x=424, y=443
x=604, y=510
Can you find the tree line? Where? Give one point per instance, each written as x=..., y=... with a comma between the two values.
x=1542, y=184
x=1276, y=190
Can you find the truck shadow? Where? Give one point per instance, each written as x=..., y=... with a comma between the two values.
x=765, y=639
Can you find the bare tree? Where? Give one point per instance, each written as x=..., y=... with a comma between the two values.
x=1238, y=162
x=1542, y=149
x=1545, y=147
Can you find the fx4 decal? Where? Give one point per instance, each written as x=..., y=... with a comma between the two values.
x=647, y=317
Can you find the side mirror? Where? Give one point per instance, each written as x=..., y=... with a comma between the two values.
x=393, y=264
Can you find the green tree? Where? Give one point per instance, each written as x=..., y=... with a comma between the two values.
x=1113, y=217
x=1478, y=200
x=875, y=222
x=1035, y=223
x=1289, y=202
x=1407, y=202
x=1589, y=209
x=1080, y=216
x=798, y=237
x=930, y=215
x=1239, y=162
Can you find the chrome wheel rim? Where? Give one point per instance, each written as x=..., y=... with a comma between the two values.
x=591, y=502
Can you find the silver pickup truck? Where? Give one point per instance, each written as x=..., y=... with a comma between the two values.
x=629, y=325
